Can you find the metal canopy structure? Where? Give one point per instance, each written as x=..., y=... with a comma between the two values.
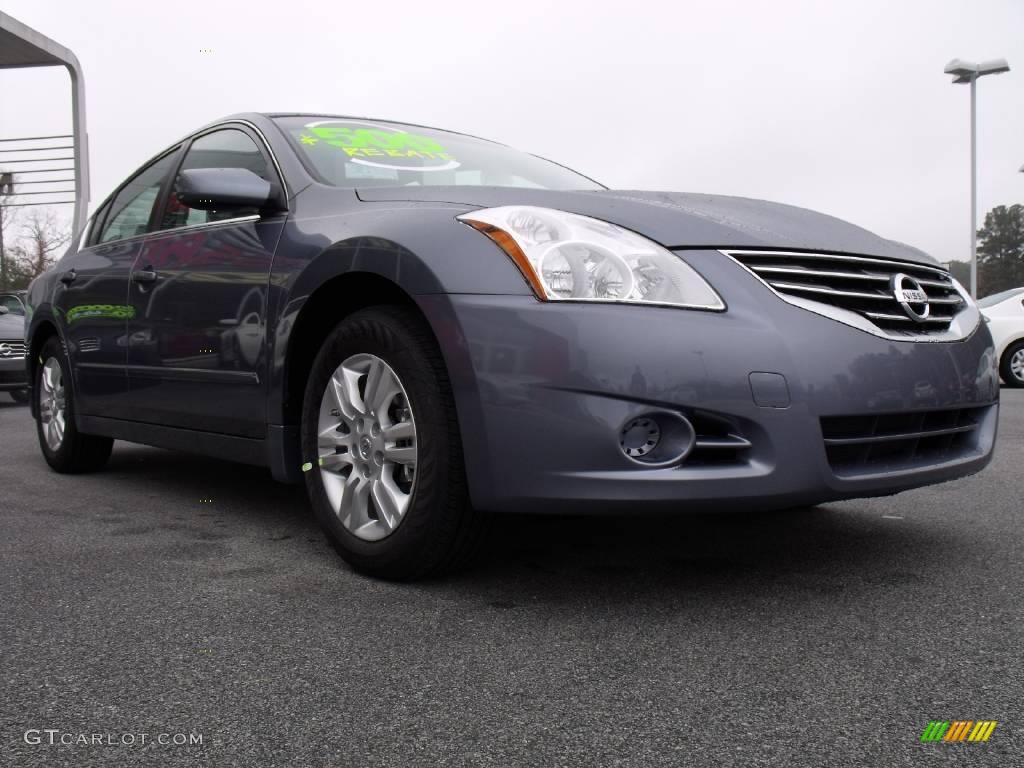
x=21, y=47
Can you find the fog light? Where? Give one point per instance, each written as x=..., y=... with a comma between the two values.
x=639, y=437
x=657, y=439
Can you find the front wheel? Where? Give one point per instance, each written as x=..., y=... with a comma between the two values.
x=1011, y=367
x=385, y=472
x=19, y=395
x=65, y=448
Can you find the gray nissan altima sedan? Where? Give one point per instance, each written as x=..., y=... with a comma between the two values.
x=423, y=327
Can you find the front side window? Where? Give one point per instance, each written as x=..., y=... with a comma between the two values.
x=227, y=148
x=131, y=208
x=360, y=153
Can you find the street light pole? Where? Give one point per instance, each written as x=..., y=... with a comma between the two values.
x=974, y=187
x=966, y=72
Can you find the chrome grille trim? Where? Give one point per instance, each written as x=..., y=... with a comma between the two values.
x=904, y=318
x=728, y=442
x=719, y=442
x=938, y=271
x=855, y=290
x=11, y=349
x=828, y=291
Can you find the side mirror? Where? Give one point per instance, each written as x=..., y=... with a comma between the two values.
x=220, y=188
x=4, y=309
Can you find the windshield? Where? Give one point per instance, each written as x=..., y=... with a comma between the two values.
x=995, y=298
x=363, y=153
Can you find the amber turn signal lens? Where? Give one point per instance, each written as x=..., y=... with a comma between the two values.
x=504, y=241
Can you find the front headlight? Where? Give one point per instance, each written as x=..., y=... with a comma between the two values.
x=568, y=257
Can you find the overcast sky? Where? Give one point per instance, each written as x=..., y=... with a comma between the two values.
x=840, y=106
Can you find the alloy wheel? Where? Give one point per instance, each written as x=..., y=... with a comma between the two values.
x=366, y=446
x=1017, y=364
x=52, y=403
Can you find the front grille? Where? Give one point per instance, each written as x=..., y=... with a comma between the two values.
x=10, y=348
x=865, y=444
x=860, y=284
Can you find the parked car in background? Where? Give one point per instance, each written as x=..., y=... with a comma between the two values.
x=422, y=326
x=14, y=301
x=1004, y=315
x=13, y=374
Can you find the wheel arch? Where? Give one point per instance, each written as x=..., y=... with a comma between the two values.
x=316, y=282
x=328, y=305
x=1010, y=340
x=42, y=330
x=1004, y=353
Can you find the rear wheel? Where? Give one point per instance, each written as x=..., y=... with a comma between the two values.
x=1011, y=367
x=65, y=448
x=19, y=395
x=385, y=471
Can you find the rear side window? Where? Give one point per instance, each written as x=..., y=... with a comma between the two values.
x=227, y=148
x=131, y=208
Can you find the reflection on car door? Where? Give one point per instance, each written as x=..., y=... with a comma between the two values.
x=92, y=297
x=196, y=350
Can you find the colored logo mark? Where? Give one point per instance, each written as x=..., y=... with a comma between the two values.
x=959, y=730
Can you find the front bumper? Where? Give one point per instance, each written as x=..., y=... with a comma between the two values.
x=543, y=389
x=13, y=374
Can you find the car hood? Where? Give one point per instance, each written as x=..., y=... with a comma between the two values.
x=12, y=326
x=680, y=220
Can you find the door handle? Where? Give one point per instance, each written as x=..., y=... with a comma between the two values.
x=144, y=276
x=69, y=277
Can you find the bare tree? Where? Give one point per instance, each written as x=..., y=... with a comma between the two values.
x=7, y=219
x=42, y=238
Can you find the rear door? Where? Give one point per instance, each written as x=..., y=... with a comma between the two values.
x=92, y=301
x=199, y=297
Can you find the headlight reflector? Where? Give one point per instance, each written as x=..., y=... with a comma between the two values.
x=568, y=257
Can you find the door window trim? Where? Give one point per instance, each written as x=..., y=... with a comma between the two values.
x=160, y=233
x=96, y=222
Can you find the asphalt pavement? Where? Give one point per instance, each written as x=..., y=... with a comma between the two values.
x=175, y=597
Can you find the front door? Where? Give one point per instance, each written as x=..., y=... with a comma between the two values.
x=197, y=336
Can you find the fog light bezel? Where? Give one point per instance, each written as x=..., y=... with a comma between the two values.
x=676, y=440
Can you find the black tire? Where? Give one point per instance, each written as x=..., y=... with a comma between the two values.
x=1004, y=365
x=77, y=452
x=440, y=532
x=19, y=395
